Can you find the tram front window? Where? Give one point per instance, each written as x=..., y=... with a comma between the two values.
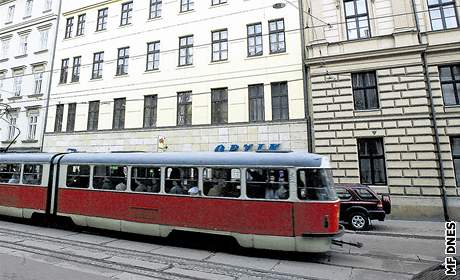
x=315, y=184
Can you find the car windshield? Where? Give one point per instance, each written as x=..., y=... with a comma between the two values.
x=315, y=184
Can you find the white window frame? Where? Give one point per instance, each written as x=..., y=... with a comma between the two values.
x=44, y=39
x=23, y=44
x=29, y=7
x=10, y=13
x=32, y=117
x=12, y=126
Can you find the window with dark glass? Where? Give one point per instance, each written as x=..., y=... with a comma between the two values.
x=455, y=145
x=186, y=50
x=81, y=24
x=32, y=174
x=155, y=8
x=59, y=118
x=119, y=113
x=64, y=71
x=280, y=102
x=218, y=2
x=443, y=14
x=255, y=45
x=10, y=173
x=184, y=108
x=153, y=56
x=186, y=5
x=98, y=62
x=93, y=115
x=126, y=13
x=181, y=180
x=122, y=61
x=219, y=106
x=450, y=84
x=78, y=176
x=315, y=184
x=372, y=161
x=72, y=110
x=267, y=183
x=277, y=38
x=219, y=45
x=150, y=111
x=68, y=28
x=222, y=182
x=145, y=179
x=102, y=16
x=357, y=19
x=342, y=193
x=110, y=177
x=256, y=103
x=76, y=69
x=365, y=92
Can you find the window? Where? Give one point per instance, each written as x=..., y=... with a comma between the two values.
x=256, y=103
x=219, y=106
x=102, y=16
x=48, y=5
x=119, y=113
x=186, y=50
x=255, y=45
x=372, y=161
x=220, y=45
x=280, y=103
x=64, y=71
x=365, y=194
x=93, y=115
x=443, y=14
x=153, y=56
x=32, y=174
x=150, y=111
x=357, y=18
x=126, y=13
x=122, y=62
x=145, y=179
x=365, y=91
x=5, y=48
x=179, y=180
x=81, y=25
x=10, y=173
x=28, y=11
x=59, y=117
x=343, y=194
x=10, y=16
x=184, y=108
x=68, y=28
x=267, y=183
x=456, y=158
x=71, y=117
x=17, y=88
x=2, y=78
x=23, y=44
x=218, y=2
x=32, y=115
x=78, y=176
x=110, y=177
x=450, y=84
x=44, y=39
x=12, y=126
x=186, y=5
x=222, y=182
x=76, y=69
x=38, y=82
x=155, y=8
x=98, y=62
x=315, y=184
x=277, y=40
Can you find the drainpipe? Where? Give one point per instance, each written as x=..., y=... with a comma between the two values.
x=426, y=74
x=53, y=55
x=308, y=118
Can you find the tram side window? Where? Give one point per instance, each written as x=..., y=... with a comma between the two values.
x=181, y=180
x=222, y=182
x=78, y=176
x=32, y=174
x=267, y=183
x=145, y=179
x=315, y=184
x=10, y=173
x=110, y=177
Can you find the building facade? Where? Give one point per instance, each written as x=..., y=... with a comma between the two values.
x=384, y=77
x=195, y=74
x=27, y=32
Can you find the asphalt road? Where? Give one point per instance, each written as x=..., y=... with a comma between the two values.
x=28, y=252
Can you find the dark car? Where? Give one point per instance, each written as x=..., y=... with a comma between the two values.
x=359, y=204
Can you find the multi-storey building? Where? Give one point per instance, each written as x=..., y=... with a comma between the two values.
x=195, y=73
x=27, y=32
x=385, y=96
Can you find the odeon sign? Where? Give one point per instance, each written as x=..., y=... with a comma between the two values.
x=247, y=147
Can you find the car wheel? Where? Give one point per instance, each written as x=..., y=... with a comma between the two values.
x=359, y=221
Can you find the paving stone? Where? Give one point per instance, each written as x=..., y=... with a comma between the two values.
x=199, y=274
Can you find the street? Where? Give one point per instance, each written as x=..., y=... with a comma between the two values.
x=28, y=252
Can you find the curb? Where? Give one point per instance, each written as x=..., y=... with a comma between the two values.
x=394, y=234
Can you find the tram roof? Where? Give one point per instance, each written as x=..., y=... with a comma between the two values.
x=25, y=157
x=294, y=159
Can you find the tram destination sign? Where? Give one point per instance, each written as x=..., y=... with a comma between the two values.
x=247, y=147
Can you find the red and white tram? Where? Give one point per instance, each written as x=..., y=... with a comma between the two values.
x=278, y=201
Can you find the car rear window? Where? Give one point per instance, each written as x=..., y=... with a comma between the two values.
x=365, y=194
x=343, y=194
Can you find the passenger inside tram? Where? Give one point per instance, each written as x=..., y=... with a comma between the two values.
x=315, y=184
x=267, y=184
x=222, y=182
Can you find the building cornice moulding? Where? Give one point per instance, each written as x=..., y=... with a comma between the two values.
x=90, y=7
x=27, y=24
x=3, y=2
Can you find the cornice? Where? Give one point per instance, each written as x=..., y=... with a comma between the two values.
x=29, y=23
x=90, y=7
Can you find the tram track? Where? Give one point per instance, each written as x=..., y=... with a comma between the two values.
x=201, y=266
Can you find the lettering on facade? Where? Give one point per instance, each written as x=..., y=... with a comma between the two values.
x=450, y=262
x=247, y=147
